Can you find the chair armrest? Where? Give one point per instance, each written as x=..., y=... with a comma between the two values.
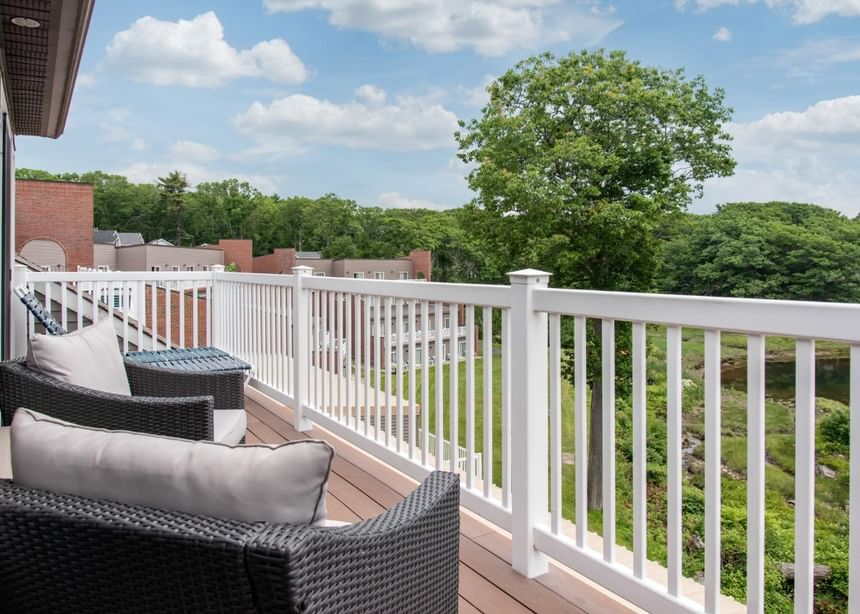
x=404, y=560
x=185, y=417
x=67, y=553
x=226, y=387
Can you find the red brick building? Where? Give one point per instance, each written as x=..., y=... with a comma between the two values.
x=54, y=223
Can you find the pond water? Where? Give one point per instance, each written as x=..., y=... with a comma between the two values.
x=831, y=379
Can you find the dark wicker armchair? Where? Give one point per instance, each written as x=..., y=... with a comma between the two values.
x=163, y=402
x=60, y=553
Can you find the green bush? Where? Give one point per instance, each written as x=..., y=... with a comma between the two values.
x=836, y=428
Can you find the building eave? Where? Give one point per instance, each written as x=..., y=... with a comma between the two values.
x=40, y=65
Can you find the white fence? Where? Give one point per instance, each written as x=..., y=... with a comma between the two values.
x=509, y=409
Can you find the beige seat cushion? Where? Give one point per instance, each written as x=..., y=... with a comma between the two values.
x=89, y=357
x=230, y=425
x=5, y=454
x=285, y=483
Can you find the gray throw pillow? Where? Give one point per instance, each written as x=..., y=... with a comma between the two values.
x=283, y=483
x=89, y=357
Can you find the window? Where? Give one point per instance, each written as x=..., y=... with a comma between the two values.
x=378, y=275
x=358, y=275
x=205, y=268
x=461, y=348
x=447, y=322
x=405, y=326
x=419, y=355
x=117, y=301
x=102, y=268
x=175, y=268
x=319, y=274
x=404, y=275
x=155, y=268
x=393, y=362
x=189, y=268
x=446, y=352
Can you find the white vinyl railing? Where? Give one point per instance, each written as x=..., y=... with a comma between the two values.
x=312, y=343
x=150, y=310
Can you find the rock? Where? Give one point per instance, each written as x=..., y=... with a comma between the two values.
x=819, y=572
x=695, y=543
x=825, y=471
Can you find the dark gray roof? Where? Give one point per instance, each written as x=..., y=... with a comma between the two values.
x=130, y=238
x=104, y=237
x=309, y=255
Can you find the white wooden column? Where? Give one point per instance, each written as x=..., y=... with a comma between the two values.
x=216, y=310
x=301, y=359
x=17, y=315
x=528, y=338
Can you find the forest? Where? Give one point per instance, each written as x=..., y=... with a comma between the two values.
x=758, y=250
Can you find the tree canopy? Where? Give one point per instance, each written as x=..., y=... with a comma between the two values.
x=577, y=160
x=766, y=250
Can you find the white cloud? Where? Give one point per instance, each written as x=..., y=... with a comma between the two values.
x=476, y=96
x=149, y=172
x=297, y=121
x=489, y=27
x=138, y=143
x=85, y=79
x=813, y=56
x=371, y=94
x=192, y=151
x=802, y=11
x=807, y=155
x=395, y=200
x=723, y=35
x=194, y=53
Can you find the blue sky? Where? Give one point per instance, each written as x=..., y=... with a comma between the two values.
x=360, y=97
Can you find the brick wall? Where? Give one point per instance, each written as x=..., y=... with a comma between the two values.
x=282, y=260
x=161, y=315
x=240, y=252
x=57, y=211
x=421, y=263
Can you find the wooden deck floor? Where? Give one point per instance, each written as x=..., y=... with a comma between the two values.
x=361, y=487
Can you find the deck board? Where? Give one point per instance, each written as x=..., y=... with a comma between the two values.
x=361, y=487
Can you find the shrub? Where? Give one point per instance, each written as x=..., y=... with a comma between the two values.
x=836, y=429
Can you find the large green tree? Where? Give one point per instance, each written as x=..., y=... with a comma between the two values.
x=766, y=250
x=173, y=190
x=578, y=160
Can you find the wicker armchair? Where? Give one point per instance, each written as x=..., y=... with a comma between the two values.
x=61, y=553
x=163, y=402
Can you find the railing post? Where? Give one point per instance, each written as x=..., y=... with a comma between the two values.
x=529, y=415
x=18, y=315
x=301, y=356
x=217, y=309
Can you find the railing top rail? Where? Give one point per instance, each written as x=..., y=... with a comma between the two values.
x=271, y=279
x=117, y=276
x=802, y=319
x=468, y=294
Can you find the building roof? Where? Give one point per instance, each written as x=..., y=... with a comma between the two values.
x=104, y=237
x=161, y=242
x=309, y=255
x=129, y=238
x=40, y=63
